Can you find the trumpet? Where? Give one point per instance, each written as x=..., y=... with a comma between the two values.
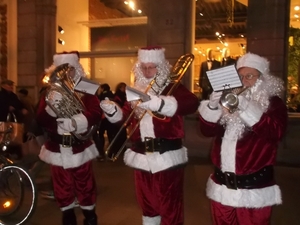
x=229, y=99
x=175, y=76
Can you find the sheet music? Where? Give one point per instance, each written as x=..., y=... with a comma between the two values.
x=134, y=94
x=224, y=78
x=86, y=85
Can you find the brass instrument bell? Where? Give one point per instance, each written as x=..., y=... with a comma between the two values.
x=230, y=100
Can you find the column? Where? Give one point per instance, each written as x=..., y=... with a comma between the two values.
x=267, y=32
x=36, y=41
x=170, y=25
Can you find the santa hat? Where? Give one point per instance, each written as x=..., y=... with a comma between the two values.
x=253, y=61
x=154, y=54
x=71, y=58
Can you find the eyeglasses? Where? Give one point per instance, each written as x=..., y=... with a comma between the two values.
x=248, y=76
x=144, y=68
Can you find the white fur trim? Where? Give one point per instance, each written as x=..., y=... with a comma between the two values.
x=156, y=56
x=228, y=151
x=170, y=107
x=252, y=113
x=66, y=159
x=50, y=111
x=147, y=127
x=249, y=198
x=81, y=123
x=151, y=220
x=62, y=131
x=60, y=59
x=209, y=115
x=253, y=61
x=88, y=207
x=71, y=206
x=116, y=117
x=155, y=161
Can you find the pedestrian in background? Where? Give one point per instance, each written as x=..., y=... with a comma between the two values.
x=9, y=102
x=28, y=103
x=105, y=127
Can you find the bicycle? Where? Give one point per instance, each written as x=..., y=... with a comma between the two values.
x=18, y=195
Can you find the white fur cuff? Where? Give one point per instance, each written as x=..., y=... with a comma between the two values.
x=50, y=111
x=252, y=113
x=81, y=123
x=170, y=107
x=209, y=115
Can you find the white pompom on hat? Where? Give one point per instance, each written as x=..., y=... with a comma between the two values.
x=253, y=61
x=152, y=54
x=62, y=58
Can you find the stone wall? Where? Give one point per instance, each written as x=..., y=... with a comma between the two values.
x=36, y=41
x=289, y=149
x=97, y=10
x=267, y=32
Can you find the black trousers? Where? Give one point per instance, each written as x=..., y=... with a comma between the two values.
x=111, y=130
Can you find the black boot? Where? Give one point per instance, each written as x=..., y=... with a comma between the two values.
x=90, y=217
x=69, y=217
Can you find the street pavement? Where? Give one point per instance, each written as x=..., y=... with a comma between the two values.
x=116, y=202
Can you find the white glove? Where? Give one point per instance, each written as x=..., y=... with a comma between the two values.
x=54, y=97
x=243, y=103
x=251, y=111
x=50, y=111
x=214, y=99
x=109, y=107
x=155, y=104
x=65, y=125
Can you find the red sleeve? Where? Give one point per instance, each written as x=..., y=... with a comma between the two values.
x=187, y=102
x=273, y=123
x=44, y=119
x=92, y=112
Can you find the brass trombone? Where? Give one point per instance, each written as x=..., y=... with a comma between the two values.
x=175, y=76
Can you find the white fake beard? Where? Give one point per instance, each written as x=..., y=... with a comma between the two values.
x=141, y=83
x=265, y=87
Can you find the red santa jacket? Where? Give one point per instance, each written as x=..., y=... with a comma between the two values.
x=53, y=152
x=180, y=103
x=248, y=154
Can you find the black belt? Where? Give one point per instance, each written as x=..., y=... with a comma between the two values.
x=254, y=180
x=67, y=140
x=160, y=145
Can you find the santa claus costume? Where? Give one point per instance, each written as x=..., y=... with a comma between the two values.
x=242, y=189
x=69, y=157
x=157, y=154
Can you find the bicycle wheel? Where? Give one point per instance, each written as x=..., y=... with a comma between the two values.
x=17, y=195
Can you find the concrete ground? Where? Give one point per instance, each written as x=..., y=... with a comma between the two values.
x=116, y=203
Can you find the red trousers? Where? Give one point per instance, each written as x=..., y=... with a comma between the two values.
x=79, y=182
x=227, y=215
x=161, y=194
